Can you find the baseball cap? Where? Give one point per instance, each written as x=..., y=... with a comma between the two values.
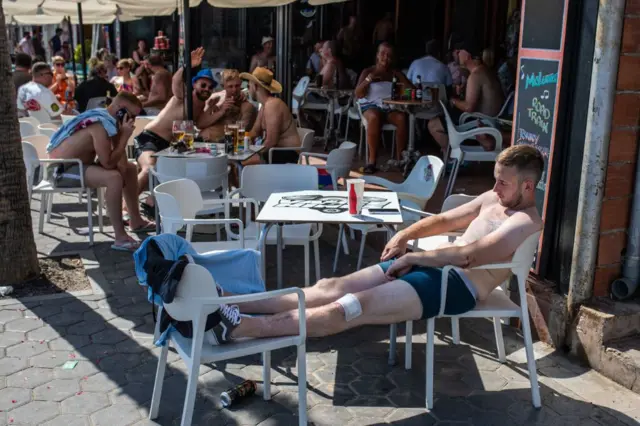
x=205, y=73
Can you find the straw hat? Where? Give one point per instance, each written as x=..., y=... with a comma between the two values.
x=264, y=78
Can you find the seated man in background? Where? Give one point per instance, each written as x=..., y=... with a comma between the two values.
x=274, y=118
x=235, y=107
x=160, y=90
x=36, y=95
x=430, y=69
x=158, y=134
x=409, y=287
x=103, y=133
x=483, y=94
x=96, y=87
x=22, y=73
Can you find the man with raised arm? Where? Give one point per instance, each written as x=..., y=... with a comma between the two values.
x=103, y=134
x=157, y=135
x=407, y=286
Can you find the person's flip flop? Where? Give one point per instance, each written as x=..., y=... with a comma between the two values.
x=149, y=227
x=128, y=246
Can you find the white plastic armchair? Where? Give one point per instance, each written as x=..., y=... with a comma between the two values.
x=27, y=129
x=196, y=298
x=31, y=163
x=459, y=152
x=337, y=163
x=306, y=143
x=508, y=104
x=497, y=305
x=179, y=202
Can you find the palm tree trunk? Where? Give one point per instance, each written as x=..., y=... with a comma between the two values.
x=18, y=256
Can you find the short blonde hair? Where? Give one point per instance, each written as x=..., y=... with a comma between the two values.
x=129, y=97
x=526, y=159
x=58, y=59
x=229, y=74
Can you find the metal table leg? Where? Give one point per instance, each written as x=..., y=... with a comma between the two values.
x=279, y=254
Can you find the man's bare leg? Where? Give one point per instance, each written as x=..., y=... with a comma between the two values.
x=98, y=177
x=145, y=162
x=390, y=303
x=131, y=193
x=438, y=133
x=325, y=291
x=399, y=119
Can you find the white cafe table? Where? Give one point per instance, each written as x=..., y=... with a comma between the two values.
x=324, y=207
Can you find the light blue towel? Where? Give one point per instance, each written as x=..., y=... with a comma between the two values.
x=81, y=122
x=236, y=271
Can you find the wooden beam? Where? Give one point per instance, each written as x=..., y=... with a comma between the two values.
x=397, y=17
x=447, y=25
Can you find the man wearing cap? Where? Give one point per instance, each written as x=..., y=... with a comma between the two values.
x=483, y=94
x=274, y=117
x=264, y=59
x=156, y=136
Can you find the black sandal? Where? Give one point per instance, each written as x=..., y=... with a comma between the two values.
x=369, y=169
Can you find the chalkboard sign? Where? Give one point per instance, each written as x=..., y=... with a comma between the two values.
x=535, y=111
x=543, y=24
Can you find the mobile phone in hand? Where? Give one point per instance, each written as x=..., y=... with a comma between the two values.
x=120, y=114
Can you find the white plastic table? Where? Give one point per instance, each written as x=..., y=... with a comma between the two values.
x=325, y=207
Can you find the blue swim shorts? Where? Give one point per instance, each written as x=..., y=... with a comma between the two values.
x=427, y=282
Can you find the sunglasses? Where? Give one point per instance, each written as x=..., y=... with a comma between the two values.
x=58, y=65
x=206, y=86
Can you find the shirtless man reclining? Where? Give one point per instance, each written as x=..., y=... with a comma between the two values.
x=158, y=134
x=408, y=288
x=103, y=134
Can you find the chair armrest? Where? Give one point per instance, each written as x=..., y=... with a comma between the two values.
x=417, y=212
x=314, y=155
x=418, y=201
x=491, y=131
x=471, y=115
x=281, y=149
x=233, y=300
x=509, y=265
x=191, y=222
x=375, y=180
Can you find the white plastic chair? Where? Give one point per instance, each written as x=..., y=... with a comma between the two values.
x=179, y=201
x=497, y=305
x=298, y=97
x=48, y=129
x=353, y=114
x=259, y=182
x=459, y=152
x=31, y=163
x=47, y=188
x=97, y=102
x=66, y=117
x=387, y=127
x=306, y=143
x=196, y=298
x=414, y=192
x=27, y=129
x=507, y=108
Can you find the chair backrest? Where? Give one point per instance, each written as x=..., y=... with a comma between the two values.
x=209, y=173
x=301, y=87
x=52, y=126
x=66, y=118
x=196, y=284
x=27, y=129
x=260, y=181
x=451, y=128
x=31, y=163
x=40, y=143
x=340, y=160
x=507, y=107
x=456, y=200
x=42, y=116
x=32, y=120
x=417, y=185
x=178, y=199
x=97, y=102
x=524, y=256
x=47, y=131
x=306, y=139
